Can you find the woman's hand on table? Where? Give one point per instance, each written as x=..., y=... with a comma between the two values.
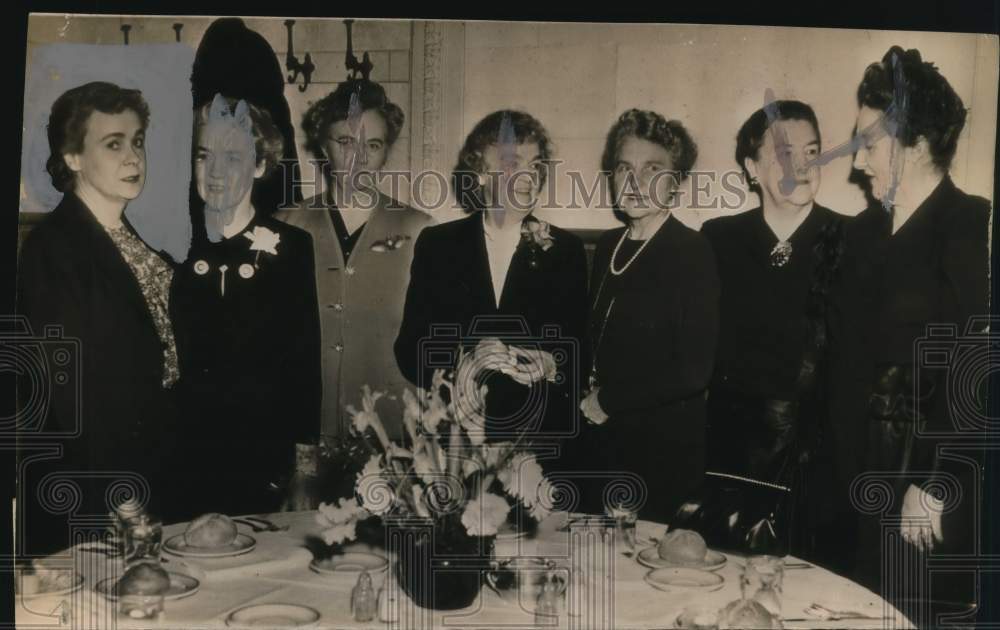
x=921, y=516
x=591, y=408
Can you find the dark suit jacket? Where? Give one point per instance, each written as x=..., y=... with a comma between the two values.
x=655, y=360
x=72, y=276
x=934, y=270
x=250, y=363
x=542, y=306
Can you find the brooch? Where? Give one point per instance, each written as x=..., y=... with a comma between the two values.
x=390, y=243
x=781, y=253
x=536, y=237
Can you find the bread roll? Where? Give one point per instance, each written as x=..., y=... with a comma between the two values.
x=683, y=547
x=746, y=614
x=210, y=531
x=144, y=579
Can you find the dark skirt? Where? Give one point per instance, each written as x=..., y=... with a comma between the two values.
x=653, y=459
x=775, y=441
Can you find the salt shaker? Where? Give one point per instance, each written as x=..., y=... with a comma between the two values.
x=388, y=605
x=364, y=604
x=547, y=607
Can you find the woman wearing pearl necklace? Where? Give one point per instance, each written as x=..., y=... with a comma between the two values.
x=653, y=322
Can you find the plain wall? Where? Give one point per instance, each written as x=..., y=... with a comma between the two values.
x=577, y=79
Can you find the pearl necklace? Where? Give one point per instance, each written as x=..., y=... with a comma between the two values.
x=618, y=272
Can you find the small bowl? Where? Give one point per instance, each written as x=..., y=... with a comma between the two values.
x=681, y=579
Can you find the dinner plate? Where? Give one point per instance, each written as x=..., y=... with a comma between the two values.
x=350, y=562
x=181, y=586
x=273, y=616
x=650, y=557
x=77, y=583
x=176, y=546
x=682, y=579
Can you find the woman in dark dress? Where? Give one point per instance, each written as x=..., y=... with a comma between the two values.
x=653, y=322
x=86, y=271
x=500, y=272
x=917, y=257
x=775, y=266
x=244, y=306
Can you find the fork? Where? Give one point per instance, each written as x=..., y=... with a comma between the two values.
x=265, y=524
x=823, y=612
x=255, y=527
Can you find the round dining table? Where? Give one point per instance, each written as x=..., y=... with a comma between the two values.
x=607, y=586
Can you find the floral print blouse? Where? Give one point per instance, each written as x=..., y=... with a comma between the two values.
x=154, y=276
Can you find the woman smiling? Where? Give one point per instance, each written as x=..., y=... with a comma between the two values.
x=247, y=324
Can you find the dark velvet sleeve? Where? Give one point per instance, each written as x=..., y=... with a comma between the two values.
x=50, y=294
x=965, y=262
x=685, y=370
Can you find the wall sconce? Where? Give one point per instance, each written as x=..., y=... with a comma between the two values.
x=125, y=29
x=177, y=31
x=294, y=66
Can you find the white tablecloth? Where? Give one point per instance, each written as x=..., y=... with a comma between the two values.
x=277, y=571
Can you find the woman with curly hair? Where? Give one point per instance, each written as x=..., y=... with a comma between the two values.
x=915, y=258
x=244, y=306
x=364, y=245
x=653, y=319
x=501, y=272
x=85, y=271
x=776, y=263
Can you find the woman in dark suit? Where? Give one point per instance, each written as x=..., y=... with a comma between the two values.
x=85, y=269
x=244, y=305
x=500, y=272
x=775, y=264
x=653, y=319
x=917, y=257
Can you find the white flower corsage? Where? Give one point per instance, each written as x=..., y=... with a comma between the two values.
x=262, y=240
x=390, y=243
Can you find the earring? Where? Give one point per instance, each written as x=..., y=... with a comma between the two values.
x=754, y=181
x=481, y=180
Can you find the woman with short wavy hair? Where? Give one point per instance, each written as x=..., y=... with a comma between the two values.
x=776, y=262
x=521, y=279
x=653, y=320
x=244, y=305
x=85, y=272
x=364, y=243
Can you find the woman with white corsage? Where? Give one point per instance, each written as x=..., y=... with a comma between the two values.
x=244, y=306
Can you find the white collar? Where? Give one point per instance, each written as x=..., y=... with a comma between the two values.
x=494, y=233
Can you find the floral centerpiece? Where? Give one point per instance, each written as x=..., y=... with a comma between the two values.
x=444, y=473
